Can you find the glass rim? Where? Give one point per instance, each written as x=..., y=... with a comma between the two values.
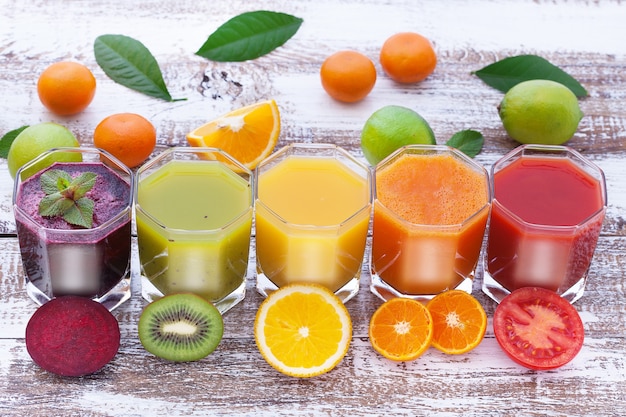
x=195, y=150
x=552, y=151
x=434, y=149
x=312, y=146
x=74, y=149
x=151, y=165
x=367, y=205
x=130, y=180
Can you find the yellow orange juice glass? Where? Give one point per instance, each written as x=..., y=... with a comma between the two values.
x=431, y=206
x=313, y=207
x=194, y=219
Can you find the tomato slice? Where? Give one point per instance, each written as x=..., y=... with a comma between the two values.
x=538, y=329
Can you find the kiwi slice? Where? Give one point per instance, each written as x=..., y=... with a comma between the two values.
x=180, y=327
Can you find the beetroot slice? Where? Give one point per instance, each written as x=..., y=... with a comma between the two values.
x=72, y=336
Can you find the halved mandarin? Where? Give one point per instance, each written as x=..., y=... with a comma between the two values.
x=459, y=321
x=249, y=134
x=401, y=329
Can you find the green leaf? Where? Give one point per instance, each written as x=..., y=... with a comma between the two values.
x=470, y=142
x=7, y=140
x=82, y=184
x=66, y=196
x=54, y=205
x=506, y=73
x=129, y=63
x=54, y=180
x=249, y=36
x=80, y=213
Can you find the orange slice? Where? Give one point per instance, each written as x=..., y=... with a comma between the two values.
x=401, y=329
x=303, y=330
x=248, y=134
x=459, y=321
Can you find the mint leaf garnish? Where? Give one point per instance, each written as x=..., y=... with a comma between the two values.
x=54, y=180
x=249, y=36
x=52, y=205
x=65, y=196
x=81, y=213
x=504, y=74
x=129, y=63
x=470, y=142
x=82, y=184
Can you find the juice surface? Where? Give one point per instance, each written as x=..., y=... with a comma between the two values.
x=308, y=192
x=110, y=194
x=551, y=191
x=556, y=194
x=205, y=258
x=429, y=221
x=313, y=191
x=194, y=196
x=431, y=189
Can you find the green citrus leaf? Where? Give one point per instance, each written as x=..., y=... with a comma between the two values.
x=506, y=73
x=249, y=36
x=129, y=63
x=470, y=142
x=7, y=140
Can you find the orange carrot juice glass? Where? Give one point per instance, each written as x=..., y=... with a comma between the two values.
x=313, y=206
x=548, y=208
x=431, y=207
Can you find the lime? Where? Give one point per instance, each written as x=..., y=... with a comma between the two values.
x=390, y=128
x=540, y=111
x=35, y=140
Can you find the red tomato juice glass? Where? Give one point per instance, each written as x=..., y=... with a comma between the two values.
x=547, y=212
x=431, y=208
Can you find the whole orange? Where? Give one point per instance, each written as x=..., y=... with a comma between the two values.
x=408, y=57
x=348, y=76
x=66, y=88
x=129, y=137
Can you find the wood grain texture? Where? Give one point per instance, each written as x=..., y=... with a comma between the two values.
x=585, y=38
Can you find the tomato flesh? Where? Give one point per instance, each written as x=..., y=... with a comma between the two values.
x=538, y=329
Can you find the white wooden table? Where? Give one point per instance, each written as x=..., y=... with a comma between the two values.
x=586, y=39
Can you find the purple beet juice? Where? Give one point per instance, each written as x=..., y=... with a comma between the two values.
x=63, y=259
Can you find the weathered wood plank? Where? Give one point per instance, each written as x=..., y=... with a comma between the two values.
x=490, y=384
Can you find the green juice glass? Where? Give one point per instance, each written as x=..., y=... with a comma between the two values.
x=194, y=219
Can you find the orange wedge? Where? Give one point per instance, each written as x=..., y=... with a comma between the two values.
x=248, y=134
x=459, y=321
x=401, y=329
x=302, y=330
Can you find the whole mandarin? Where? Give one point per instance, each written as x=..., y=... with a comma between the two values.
x=348, y=76
x=408, y=57
x=129, y=137
x=66, y=88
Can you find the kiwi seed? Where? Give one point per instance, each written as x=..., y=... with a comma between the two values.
x=180, y=327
